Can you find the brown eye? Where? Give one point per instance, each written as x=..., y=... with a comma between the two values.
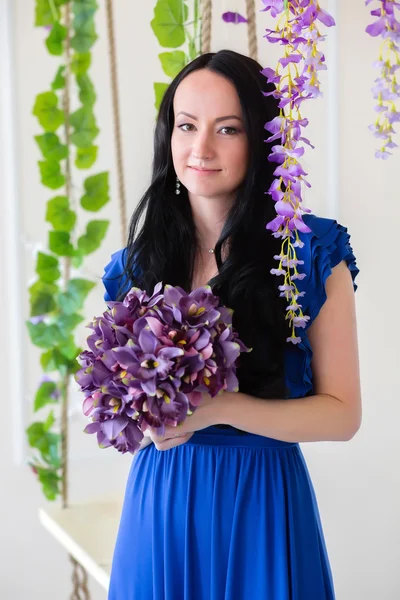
x=230, y=130
x=185, y=125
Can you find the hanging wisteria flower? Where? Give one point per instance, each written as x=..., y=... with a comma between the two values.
x=149, y=360
x=233, y=17
x=386, y=89
x=296, y=80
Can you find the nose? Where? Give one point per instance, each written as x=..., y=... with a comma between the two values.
x=202, y=148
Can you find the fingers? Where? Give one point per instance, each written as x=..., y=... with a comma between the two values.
x=168, y=443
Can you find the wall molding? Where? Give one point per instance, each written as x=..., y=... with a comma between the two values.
x=11, y=265
x=332, y=166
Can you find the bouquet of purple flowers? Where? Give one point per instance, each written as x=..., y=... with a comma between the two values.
x=151, y=358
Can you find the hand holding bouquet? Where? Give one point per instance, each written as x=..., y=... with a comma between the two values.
x=151, y=358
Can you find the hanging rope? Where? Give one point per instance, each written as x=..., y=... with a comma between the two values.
x=66, y=261
x=206, y=19
x=117, y=121
x=252, y=28
x=79, y=581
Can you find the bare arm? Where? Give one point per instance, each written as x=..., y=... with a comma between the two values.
x=334, y=412
x=146, y=441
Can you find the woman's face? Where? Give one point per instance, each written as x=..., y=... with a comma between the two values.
x=209, y=144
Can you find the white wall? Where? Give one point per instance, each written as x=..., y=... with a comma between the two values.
x=357, y=483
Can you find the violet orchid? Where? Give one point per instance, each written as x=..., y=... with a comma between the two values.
x=149, y=359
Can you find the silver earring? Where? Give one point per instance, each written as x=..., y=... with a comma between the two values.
x=178, y=186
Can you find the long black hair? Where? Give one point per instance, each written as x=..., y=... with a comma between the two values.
x=164, y=246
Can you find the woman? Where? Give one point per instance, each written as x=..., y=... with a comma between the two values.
x=224, y=508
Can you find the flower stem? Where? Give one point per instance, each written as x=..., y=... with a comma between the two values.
x=53, y=10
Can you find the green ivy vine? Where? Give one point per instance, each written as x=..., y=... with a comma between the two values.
x=173, y=29
x=56, y=299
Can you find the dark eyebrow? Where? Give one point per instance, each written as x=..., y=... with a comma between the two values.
x=216, y=120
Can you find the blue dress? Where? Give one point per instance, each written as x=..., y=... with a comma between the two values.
x=227, y=516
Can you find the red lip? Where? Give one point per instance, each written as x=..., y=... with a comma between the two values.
x=204, y=170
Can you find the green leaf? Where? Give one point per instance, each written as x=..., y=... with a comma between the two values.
x=72, y=300
x=84, y=123
x=43, y=13
x=50, y=481
x=67, y=323
x=44, y=395
x=60, y=215
x=84, y=11
x=58, y=82
x=51, y=176
x=47, y=361
x=86, y=157
x=85, y=35
x=77, y=259
x=97, y=192
x=74, y=366
x=81, y=62
x=58, y=333
x=173, y=62
x=39, y=438
x=56, y=38
x=42, y=335
x=46, y=110
x=42, y=298
x=59, y=243
x=95, y=233
x=168, y=22
x=54, y=360
x=87, y=94
x=47, y=267
x=69, y=349
x=159, y=90
x=51, y=147
x=49, y=422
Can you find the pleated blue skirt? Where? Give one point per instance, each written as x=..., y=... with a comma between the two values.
x=222, y=517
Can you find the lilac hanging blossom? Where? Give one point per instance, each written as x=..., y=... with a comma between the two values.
x=386, y=89
x=233, y=17
x=296, y=80
x=150, y=359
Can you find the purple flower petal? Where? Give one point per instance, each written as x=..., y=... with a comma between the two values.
x=92, y=428
x=275, y=223
x=284, y=208
x=275, y=125
x=275, y=6
x=113, y=427
x=149, y=387
x=326, y=18
x=293, y=58
x=147, y=341
x=382, y=154
x=233, y=17
x=376, y=28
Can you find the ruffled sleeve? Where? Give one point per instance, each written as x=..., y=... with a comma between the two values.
x=329, y=245
x=112, y=275
x=325, y=246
